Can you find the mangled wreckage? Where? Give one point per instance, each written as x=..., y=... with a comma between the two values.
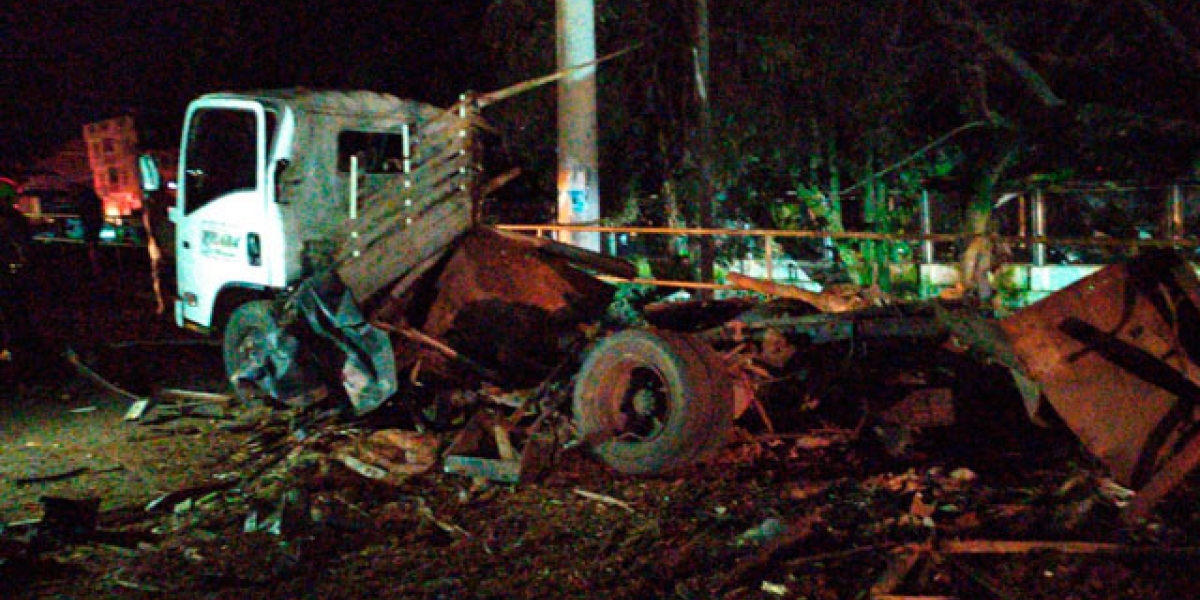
x=335, y=240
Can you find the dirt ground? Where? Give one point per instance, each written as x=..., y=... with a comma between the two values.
x=258, y=503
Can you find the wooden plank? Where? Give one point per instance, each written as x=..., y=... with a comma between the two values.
x=412, y=236
x=448, y=141
x=449, y=117
x=394, y=255
x=378, y=199
x=1025, y=547
x=391, y=256
x=1176, y=469
x=1064, y=547
x=403, y=228
x=910, y=597
x=395, y=224
x=384, y=211
x=448, y=149
x=371, y=228
x=899, y=565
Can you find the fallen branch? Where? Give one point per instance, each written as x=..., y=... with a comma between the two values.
x=427, y=513
x=195, y=397
x=1026, y=547
x=827, y=302
x=74, y=360
x=52, y=477
x=141, y=343
x=899, y=565
x=169, y=500
x=604, y=499
x=907, y=597
x=133, y=585
x=840, y=554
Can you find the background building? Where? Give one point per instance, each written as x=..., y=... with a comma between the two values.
x=112, y=151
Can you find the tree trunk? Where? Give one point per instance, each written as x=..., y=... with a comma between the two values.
x=976, y=259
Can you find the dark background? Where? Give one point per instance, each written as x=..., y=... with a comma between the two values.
x=804, y=93
x=70, y=62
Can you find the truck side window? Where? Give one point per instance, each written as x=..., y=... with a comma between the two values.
x=221, y=155
x=377, y=152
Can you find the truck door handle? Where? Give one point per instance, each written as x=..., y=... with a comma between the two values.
x=254, y=249
x=186, y=244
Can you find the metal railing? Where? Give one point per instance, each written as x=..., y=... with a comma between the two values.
x=1037, y=244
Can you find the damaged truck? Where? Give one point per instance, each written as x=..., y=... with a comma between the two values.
x=334, y=241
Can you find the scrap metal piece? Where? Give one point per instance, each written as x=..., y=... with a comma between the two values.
x=500, y=305
x=494, y=469
x=369, y=371
x=1114, y=355
x=137, y=409
x=483, y=449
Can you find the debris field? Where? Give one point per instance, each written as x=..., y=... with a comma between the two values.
x=819, y=495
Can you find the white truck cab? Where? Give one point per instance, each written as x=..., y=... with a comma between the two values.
x=265, y=182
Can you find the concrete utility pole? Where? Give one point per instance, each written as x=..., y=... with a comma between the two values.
x=578, y=156
x=704, y=153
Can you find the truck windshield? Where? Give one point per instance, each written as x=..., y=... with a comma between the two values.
x=221, y=155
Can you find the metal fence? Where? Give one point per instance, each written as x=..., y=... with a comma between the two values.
x=1055, y=235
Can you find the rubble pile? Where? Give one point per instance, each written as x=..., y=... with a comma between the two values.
x=307, y=505
x=908, y=472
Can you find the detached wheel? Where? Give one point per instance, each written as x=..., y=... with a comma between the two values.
x=245, y=348
x=653, y=401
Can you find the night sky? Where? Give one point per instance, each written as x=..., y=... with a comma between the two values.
x=70, y=62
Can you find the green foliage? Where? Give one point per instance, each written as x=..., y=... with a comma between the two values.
x=787, y=215
x=905, y=278
x=1009, y=286
x=853, y=110
x=1051, y=179
x=625, y=310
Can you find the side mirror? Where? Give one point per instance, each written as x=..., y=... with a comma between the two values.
x=148, y=173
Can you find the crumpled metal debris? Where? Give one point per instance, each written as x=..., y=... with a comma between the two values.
x=285, y=363
x=1115, y=355
x=390, y=455
x=369, y=370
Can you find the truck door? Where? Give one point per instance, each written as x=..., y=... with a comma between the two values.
x=222, y=209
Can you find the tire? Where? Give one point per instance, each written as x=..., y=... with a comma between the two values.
x=651, y=401
x=244, y=346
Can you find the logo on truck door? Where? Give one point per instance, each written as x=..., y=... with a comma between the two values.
x=219, y=243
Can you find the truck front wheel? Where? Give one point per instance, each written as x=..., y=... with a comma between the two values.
x=245, y=347
x=651, y=401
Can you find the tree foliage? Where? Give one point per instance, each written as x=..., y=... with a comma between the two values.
x=857, y=106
